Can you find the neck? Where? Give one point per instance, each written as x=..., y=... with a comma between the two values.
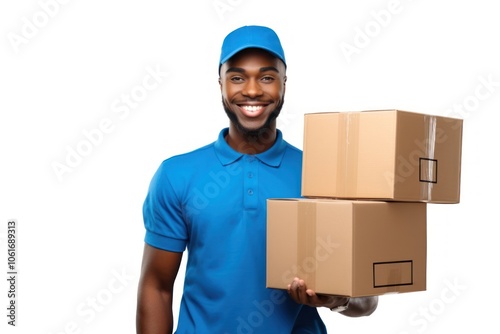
x=251, y=143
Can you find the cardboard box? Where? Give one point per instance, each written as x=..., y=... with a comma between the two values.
x=389, y=155
x=347, y=248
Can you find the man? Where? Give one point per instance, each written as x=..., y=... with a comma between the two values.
x=212, y=201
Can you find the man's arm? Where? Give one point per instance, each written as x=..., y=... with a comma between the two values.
x=358, y=307
x=155, y=291
x=361, y=306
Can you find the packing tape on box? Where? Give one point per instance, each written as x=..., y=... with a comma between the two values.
x=348, y=148
x=306, y=242
x=428, y=164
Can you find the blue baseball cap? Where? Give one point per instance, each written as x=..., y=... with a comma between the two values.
x=251, y=37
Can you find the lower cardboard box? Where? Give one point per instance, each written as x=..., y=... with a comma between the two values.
x=347, y=247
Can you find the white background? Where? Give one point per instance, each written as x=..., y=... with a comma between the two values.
x=67, y=66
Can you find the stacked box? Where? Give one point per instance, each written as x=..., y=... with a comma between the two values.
x=348, y=248
x=383, y=155
x=360, y=228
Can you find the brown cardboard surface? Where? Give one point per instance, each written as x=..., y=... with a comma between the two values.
x=388, y=155
x=348, y=248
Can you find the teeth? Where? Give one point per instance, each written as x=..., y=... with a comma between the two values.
x=252, y=108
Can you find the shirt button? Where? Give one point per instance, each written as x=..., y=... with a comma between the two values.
x=250, y=175
x=250, y=192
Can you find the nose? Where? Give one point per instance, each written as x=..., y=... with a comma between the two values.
x=252, y=88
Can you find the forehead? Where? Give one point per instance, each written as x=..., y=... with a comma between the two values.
x=253, y=57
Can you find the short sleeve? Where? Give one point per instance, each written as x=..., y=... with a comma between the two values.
x=162, y=213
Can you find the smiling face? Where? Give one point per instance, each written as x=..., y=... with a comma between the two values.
x=253, y=87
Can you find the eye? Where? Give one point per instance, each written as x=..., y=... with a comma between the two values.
x=267, y=78
x=236, y=79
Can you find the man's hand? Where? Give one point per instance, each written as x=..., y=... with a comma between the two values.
x=358, y=307
x=302, y=295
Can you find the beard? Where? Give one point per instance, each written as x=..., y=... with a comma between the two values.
x=253, y=133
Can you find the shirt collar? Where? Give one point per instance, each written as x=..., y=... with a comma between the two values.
x=272, y=157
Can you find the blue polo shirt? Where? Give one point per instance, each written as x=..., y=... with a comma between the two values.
x=212, y=202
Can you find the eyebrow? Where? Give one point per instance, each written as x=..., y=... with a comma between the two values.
x=262, y=69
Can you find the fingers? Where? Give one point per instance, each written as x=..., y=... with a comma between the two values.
x=299, y=292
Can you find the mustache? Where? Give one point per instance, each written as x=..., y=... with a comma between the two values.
x=252, y=101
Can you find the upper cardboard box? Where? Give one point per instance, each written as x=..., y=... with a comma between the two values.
x=383, y=155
